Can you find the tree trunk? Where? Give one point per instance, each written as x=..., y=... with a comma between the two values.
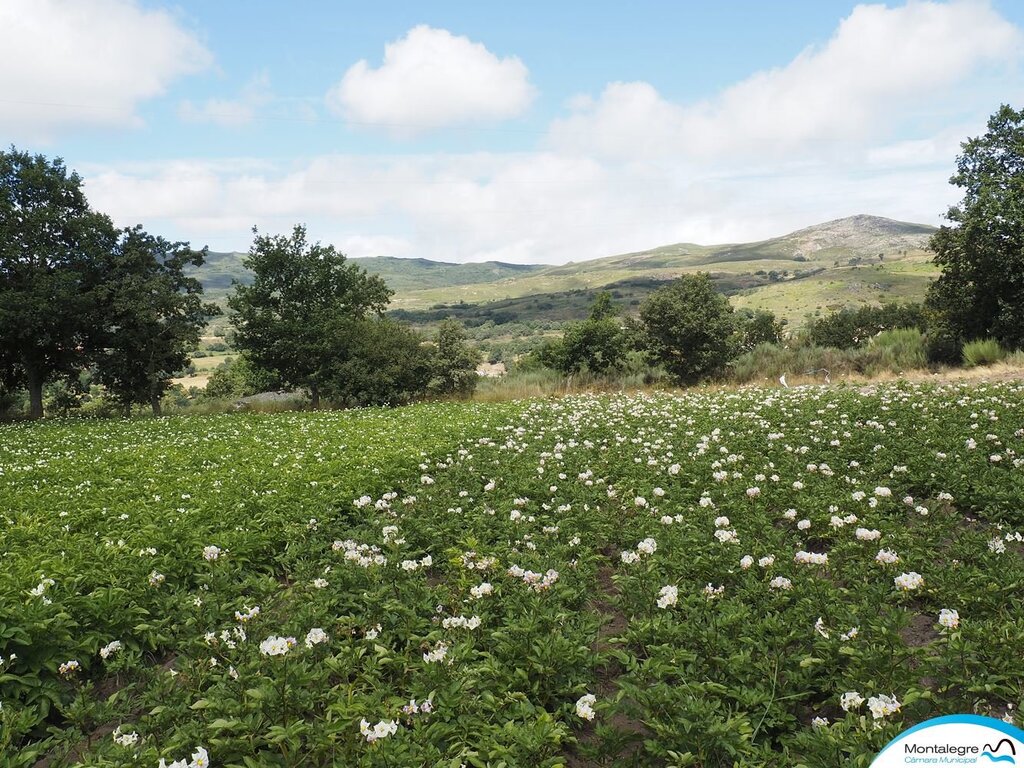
x=35, y=392
x=154, y=401
x=314, y=396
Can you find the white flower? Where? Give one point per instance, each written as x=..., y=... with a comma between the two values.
x=110, y=648
x=381, y=730
x=882, y=706
x=819, y=627
x=997, y=546
x=754, y=492
x=647, y=546
x=906, y=582
x=480, y=590
x=803, y=525
x=277, y=646
x=640, y=501
x=373, y=632
x=585, y=706
x=726, y=536
x=125, y=739
x=711, y=591
x=247, y=614
x=746, y=562
x=882, y=491
x=864, y=534
x=438, y=654
x=949, y=618
x=886, y=557
x=766, y=561
x=847, y=636
x=722, y=522
x=69, y=667
x=850, y=700
x=811, y=558
x=320, y=583
x=780, y=582
x=211, y=552
x=819, y=722
x=628, y=557
x=315, y=636
x=156, y=579
x=668, y=596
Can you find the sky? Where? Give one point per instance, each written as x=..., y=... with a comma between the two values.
x=526, y=132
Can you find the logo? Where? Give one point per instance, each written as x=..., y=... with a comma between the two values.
x=992, y=753
x=955, y=740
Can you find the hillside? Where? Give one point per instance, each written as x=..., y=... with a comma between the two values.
x=855, y=260
x=403, y=275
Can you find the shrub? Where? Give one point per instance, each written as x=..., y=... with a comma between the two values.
x=982, y=352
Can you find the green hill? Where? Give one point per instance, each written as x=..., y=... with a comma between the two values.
x=851, y=261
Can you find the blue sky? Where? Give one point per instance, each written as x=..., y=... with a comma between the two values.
x=527, y=132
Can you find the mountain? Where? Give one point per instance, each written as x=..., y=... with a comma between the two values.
x=856, y=260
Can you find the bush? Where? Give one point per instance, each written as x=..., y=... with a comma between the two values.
x=982, y=352
x=901, y=349
x=378, y=362
x=850, y=328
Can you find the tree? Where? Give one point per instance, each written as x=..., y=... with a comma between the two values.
x=980, y=293
x=50, y=241
x=598, y=344
x=688, y=326
x=757, y=327
x=297, y=314
x=149, y=316
x=377, y=361
x=454, y=361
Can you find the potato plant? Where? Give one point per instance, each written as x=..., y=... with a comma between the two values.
x=759, y=578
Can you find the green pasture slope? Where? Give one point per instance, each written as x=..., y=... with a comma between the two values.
x=745, y=578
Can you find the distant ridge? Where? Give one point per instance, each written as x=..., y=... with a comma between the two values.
x=854, y=260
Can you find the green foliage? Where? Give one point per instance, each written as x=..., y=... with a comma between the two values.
x=148, y=316
x=376, y=361
x=367, y=537
x=689, y=328
x=982, y=352
x=894, y=351
x=302, y=301
x=239, y=377
x=850, y=328
x=980, y=293
x=50, y=242
x=756, y=327
x=598, y=344
x=454, y=362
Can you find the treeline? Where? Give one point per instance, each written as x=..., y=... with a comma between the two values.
x=86, y=306
x=78, y=294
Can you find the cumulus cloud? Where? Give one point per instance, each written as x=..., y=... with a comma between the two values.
x=66, y=64
x=881, y=67
x=868, y=122
x=429, y=79
x=240, y=110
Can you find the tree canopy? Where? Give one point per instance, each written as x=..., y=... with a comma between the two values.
x=980, y=293
x=50, y=244
x=689, y=326
x=148, y=316
x=300, y=307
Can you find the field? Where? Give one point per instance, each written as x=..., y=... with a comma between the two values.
x=762, y=577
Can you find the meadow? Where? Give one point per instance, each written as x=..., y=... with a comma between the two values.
x=756, y=577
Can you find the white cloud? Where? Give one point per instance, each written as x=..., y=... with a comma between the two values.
x=429, y=79
x=869, y=122
x=881, y=68
x=66, y=64
x=528, y=207
x=231, y=112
